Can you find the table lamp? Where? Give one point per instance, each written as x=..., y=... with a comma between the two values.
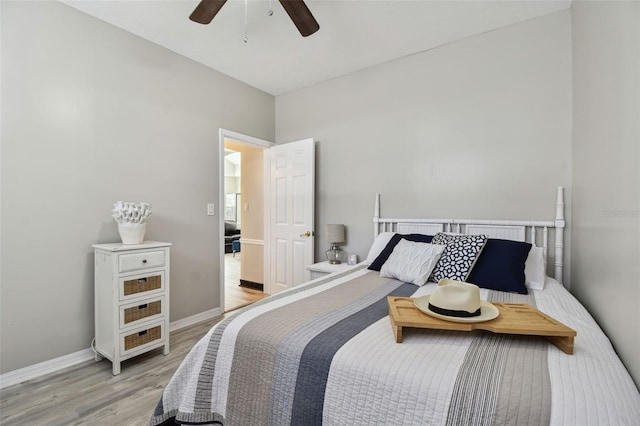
x=334, y=234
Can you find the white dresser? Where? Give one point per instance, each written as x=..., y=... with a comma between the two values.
x=131, y=300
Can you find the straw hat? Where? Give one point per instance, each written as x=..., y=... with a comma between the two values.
x=456, y=301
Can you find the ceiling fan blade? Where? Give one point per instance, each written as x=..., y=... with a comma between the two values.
x=301, y=16
x=206, y=10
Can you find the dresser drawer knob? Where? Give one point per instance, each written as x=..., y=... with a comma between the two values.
x=144, y=260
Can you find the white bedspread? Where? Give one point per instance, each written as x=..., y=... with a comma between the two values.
x=372, y=380
x=590, y=387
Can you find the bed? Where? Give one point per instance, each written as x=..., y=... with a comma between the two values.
x=324, y=352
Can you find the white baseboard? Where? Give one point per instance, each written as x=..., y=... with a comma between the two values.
x=194, y=319
x=33, y=371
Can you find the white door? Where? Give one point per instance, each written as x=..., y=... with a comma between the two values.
x=292, y=192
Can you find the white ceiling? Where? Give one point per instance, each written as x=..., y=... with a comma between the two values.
x=354, y=34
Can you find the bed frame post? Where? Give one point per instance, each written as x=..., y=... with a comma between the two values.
x=376, y=217
x=559, y=235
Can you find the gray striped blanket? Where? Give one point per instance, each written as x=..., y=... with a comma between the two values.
x=324, y=353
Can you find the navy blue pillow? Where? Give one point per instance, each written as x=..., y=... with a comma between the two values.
x=386, y=252
x=501, y=266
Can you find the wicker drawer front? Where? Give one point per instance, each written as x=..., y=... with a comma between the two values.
x=140, y=285
x=137, y=286
x=141, y=311
x=141, y=338
x=138, y=261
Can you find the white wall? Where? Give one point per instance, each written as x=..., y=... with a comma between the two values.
x=92, y=114
x=606, y=176
x=231, y=178
x=477, y=128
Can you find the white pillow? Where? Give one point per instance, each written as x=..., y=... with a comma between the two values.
x=378, y=245
x=534, y=269
x=412, y=262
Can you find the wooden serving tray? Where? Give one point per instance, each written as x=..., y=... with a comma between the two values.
x=514, y=318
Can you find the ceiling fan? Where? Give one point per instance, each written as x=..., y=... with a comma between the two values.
x=296, y=9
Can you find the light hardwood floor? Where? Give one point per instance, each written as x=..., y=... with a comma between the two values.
x=235, y=296
x=88, y=394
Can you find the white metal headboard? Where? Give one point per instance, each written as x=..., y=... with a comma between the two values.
x=532, y=231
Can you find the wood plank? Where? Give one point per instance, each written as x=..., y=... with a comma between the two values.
x=88, y=394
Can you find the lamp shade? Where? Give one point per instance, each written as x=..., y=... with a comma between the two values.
x=334, y=233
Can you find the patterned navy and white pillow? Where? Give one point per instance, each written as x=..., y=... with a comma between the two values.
x=459, y=256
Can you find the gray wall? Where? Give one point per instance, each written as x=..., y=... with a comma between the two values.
x=478, y=128
x=606, y=164
x=92, y=114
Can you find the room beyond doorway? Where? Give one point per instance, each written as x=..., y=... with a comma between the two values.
x=237, y=296
x=243, y=218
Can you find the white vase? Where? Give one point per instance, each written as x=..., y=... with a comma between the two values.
x=132, y=233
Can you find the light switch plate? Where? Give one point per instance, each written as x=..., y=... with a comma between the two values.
x=211, y=209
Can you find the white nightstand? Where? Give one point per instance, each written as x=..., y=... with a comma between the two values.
x=131, y=300
x=324, y=268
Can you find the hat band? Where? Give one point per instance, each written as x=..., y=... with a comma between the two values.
x=454, y=313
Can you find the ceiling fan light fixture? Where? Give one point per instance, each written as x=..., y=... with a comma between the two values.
x=296, y=9
x=206, y=11
x=301, y=16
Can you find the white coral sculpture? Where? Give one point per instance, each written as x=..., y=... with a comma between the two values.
x=124, y=212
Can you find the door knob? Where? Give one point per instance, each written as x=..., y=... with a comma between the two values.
x=306, y=234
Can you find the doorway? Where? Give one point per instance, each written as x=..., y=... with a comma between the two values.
x=242, y=208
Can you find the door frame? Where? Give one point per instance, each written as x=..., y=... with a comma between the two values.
x=224, y=134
